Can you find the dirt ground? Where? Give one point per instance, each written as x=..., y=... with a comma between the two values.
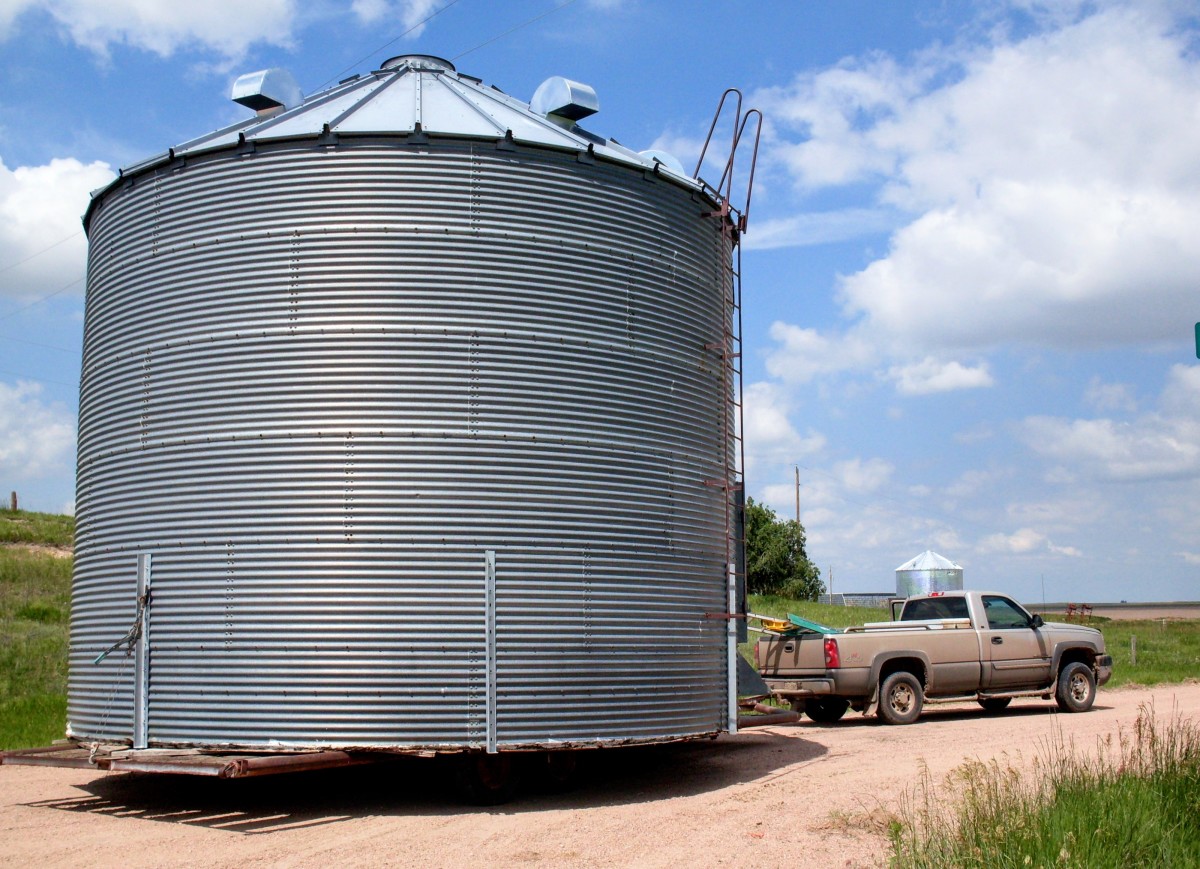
x=800, y=795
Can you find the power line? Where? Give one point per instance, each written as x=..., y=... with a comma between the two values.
x=535, y=18
x=44, y=298
x=40, y=252
x=361, y=60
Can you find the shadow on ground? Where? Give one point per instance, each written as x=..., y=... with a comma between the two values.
x=417, y=786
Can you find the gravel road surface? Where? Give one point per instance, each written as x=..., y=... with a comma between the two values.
x=798, y=795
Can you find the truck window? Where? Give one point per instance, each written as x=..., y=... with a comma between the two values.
x=935, y=608
x=1003, y=614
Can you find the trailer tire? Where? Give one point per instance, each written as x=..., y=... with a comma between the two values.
x=486, y=779
x=826, y=710
x=900, y=698
x=994, y=704
x=1076, y=691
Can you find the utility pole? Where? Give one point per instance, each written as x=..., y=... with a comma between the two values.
x=797, y=494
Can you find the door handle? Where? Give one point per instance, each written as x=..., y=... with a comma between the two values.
x=997, y=641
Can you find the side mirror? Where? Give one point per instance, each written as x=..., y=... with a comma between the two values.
x=1037, y=621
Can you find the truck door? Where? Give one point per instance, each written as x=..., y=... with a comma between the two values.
x=1016, y=655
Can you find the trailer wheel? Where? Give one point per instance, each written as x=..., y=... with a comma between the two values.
x=1076, y=688
x=900, y=698
x=994, y=704
x=556, y=771
x=486, y=779
x=826, y=710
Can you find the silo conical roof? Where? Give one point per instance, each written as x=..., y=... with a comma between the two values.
x=929, y=560
x=414, y=96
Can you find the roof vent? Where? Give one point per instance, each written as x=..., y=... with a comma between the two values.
x=564, y=101
x=418, y=61
x=267, y=90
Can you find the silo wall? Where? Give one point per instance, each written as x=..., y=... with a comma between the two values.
x=421, y=440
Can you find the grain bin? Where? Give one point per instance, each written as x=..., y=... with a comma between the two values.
x=406, y=422
x=928, y=572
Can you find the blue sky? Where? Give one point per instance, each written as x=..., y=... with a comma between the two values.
x=971, y=274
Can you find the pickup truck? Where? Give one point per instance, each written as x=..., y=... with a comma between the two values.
x=943, y=647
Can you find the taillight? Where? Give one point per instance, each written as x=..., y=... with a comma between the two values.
x=832, y=658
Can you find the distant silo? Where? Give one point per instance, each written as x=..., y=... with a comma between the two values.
x=928, y=572
x=411, y=405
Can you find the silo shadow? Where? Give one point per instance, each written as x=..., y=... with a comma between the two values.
x=407, y=786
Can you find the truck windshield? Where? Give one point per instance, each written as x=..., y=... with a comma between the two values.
x=935, y=608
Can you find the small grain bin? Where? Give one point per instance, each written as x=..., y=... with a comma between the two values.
x=928, y=572
x=406, y=422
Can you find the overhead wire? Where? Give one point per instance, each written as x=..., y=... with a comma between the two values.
x=388, y=44
x=36, y=254
x=532, y=20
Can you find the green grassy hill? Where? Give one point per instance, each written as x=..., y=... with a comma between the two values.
x=35, y=599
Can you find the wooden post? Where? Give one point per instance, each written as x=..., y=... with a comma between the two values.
x=1132, y=650
x=13, y=502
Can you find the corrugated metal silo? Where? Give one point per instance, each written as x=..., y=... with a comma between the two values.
x=928, y=572
x=409, y=407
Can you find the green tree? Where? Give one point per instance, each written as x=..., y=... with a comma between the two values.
x=776, y=562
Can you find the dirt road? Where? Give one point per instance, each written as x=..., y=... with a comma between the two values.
x=800, y=795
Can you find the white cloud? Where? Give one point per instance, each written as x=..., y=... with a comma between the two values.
x=805, y=353
x=226, y=26
x=410, y=14
x=801, y=230
x=929, y=375
x=42, y=246
x=859, y=475
x=1052, y=182
x=35, y=438
x=769, y=434
x=1022, y=542
x=1164, y=444
x=1110, y=396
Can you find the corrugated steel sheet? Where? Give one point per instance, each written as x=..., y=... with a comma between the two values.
x=322, y=381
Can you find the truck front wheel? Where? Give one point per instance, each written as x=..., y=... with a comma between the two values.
x=1076, y=688
x=900, y=698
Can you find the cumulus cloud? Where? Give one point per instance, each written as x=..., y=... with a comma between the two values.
x=929, y=375
x=35, y=437
x=1163, y=444
x=42, y=245
x=411, y=14
x=802, y=354
x=226, y=26
x=1110, y=396
x=769, y=434
x=802, y=230
x=1022, y=542
x=863, y=475
x=1051, y=181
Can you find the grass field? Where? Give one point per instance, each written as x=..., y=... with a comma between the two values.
x=1133, y=803
x=35, y=595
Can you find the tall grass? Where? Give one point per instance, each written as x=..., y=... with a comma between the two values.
x=35, y=593
x=1132, y=802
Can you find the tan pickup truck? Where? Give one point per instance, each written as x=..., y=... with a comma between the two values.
x=943, y=647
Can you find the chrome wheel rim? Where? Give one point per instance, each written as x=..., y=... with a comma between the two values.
x=902, y=699
x=1079, y=688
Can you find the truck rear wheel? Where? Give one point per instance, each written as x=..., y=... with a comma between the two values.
x=1076, y=688
x=900, y=698
x=826, y=710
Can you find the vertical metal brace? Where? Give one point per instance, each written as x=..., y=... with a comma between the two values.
x=489, y=558
x=731, y=634
x=141, y=656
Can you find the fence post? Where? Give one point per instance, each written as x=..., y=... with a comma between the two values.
x=12, y=501
x=1132, y=650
